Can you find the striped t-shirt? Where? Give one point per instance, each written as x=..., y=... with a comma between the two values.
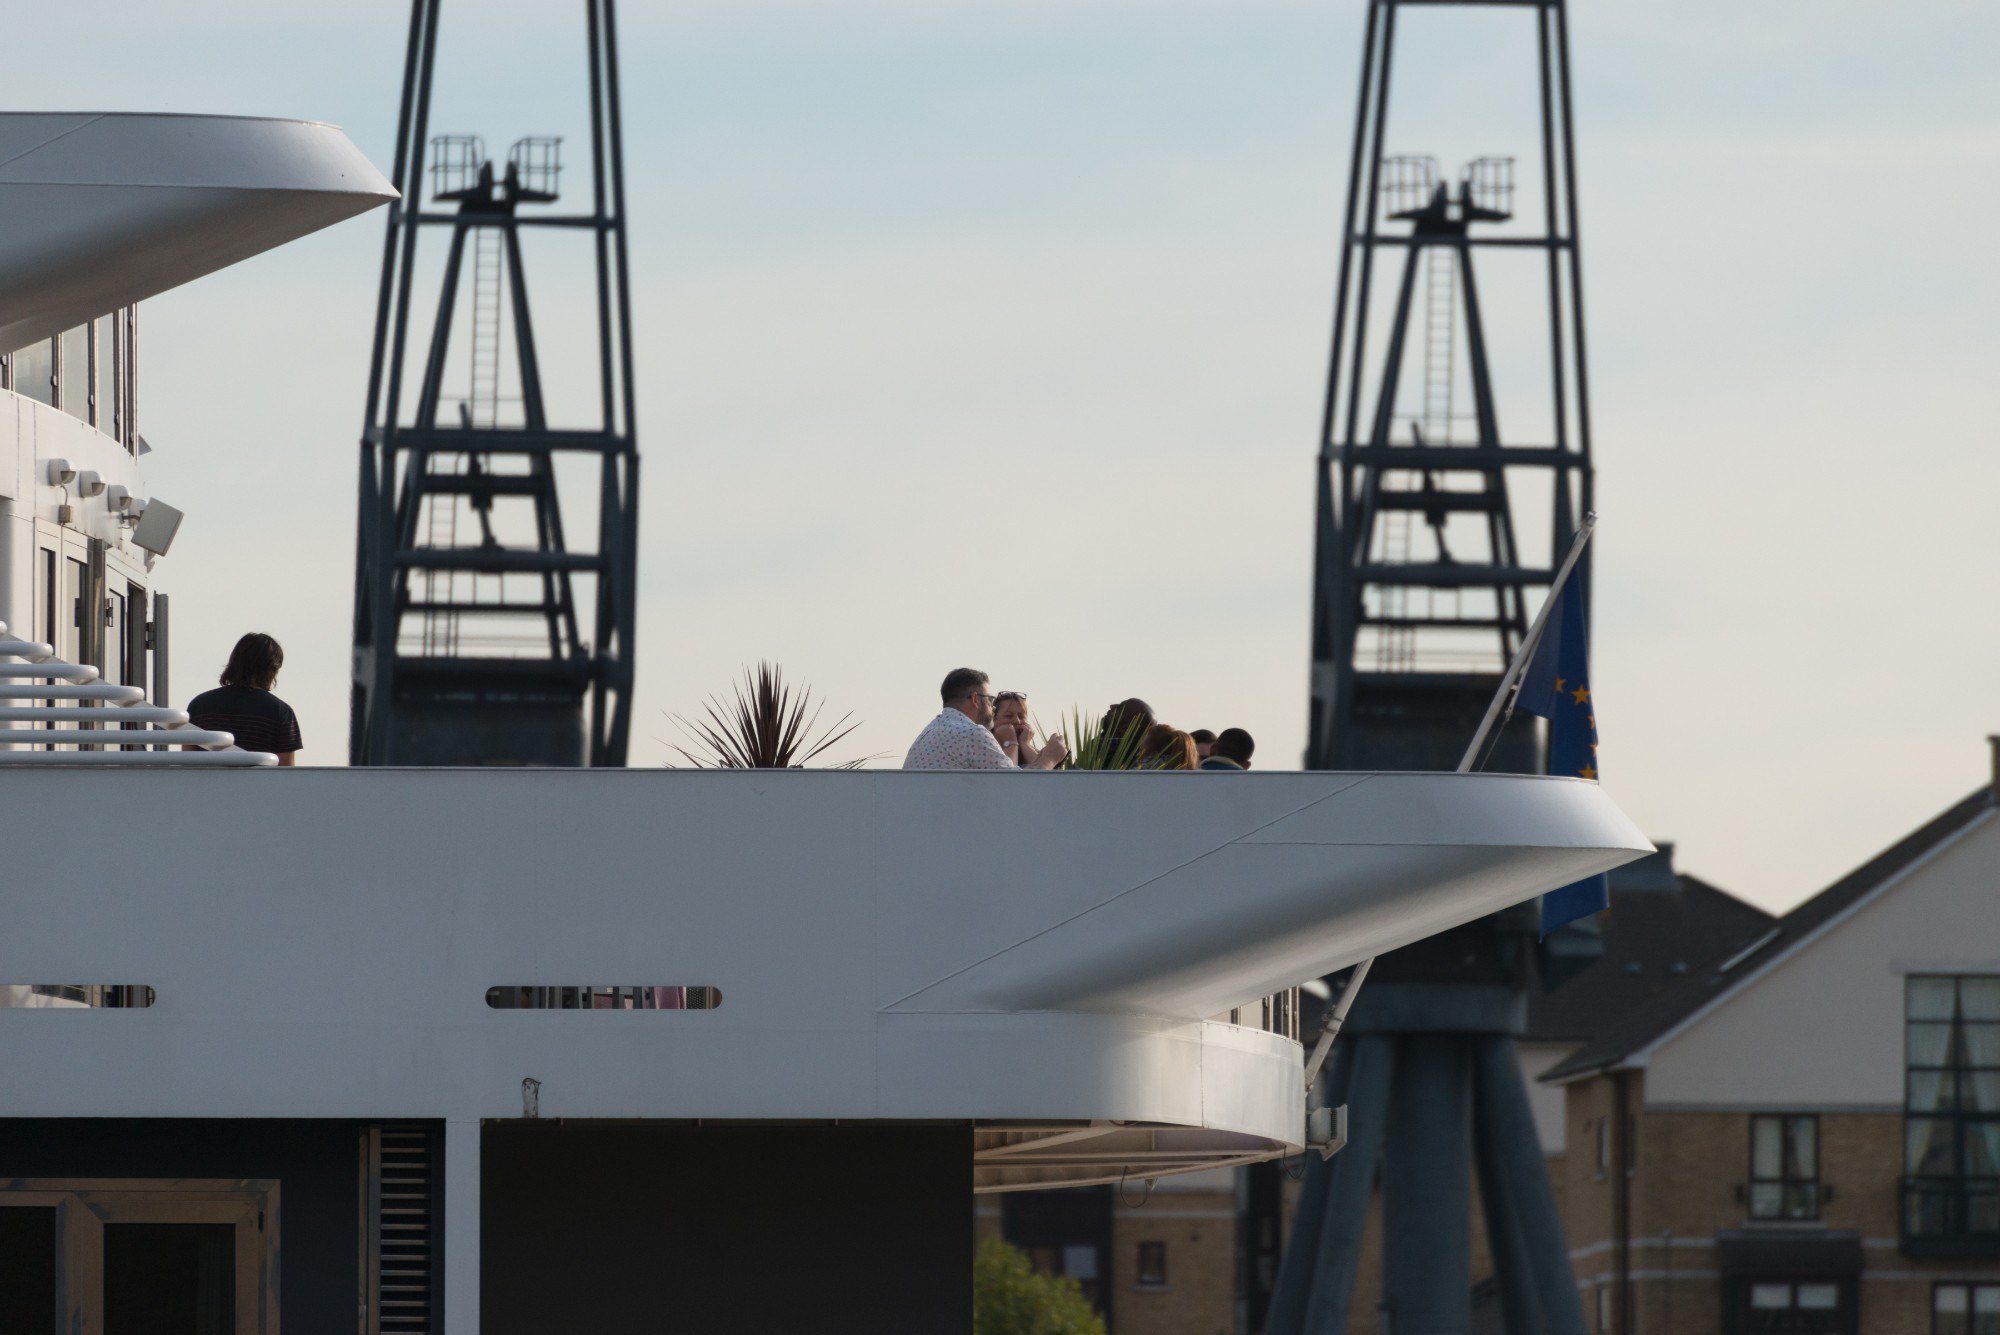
x=259, y=719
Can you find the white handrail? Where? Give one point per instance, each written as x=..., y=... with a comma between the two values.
x=114, y=737
x=231, y=759
x=119, y=714
x=57, y=691
x=125, y=708
x=51, y=669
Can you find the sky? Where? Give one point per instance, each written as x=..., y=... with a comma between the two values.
x=997, y=335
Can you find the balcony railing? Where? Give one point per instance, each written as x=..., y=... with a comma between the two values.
x=1951, y=1216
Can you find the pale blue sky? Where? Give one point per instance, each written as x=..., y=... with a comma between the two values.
x=995, y=334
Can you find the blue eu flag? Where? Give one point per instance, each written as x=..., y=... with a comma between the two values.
x=1556, y=686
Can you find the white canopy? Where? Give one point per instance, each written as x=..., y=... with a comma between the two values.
x=101, y=210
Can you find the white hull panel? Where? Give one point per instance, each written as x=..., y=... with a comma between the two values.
x=321, y=941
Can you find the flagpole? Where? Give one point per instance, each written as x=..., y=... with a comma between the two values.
x=1527, y=649
x=1330, y=1027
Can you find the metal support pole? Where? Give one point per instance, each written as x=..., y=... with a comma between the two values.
x=1329, y=1028
x=1289, y=1288
x=1521, y=1175
x=161, y=637
x=1426, y=1189
x=1506, y=1238
x=1316, y=1286
x=461, y=1227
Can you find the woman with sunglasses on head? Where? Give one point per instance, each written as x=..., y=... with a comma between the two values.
x=1012, y=729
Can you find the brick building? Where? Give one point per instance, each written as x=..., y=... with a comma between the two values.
x=1752, y=1124
x=1804, y=1134
x=1158, y=1262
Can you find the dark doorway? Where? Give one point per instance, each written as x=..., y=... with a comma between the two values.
x=28, y=1269
x=632, y=1230
x=169, y=1279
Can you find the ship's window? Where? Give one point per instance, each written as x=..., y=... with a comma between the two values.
x=73, y=628
x=75, y=996
x=35, y=371
x=105, y=374
x=648, y=997
x=1152, y=1265
x=117, y=661
x=45, y=600
x=73, y=372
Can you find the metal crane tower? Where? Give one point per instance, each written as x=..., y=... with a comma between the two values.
x=1433, y=531
x=481, y=636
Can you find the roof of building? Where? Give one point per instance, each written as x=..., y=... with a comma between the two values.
x=1662, y=926
x=1659, y=1014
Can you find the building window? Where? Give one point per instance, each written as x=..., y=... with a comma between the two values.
x=1952, y=1107
x=1603, y=1309
x=1783, y=1296
x=1603, y=1147
x=1965, y=1309
x=1784, y=1167
x=1152, y=1265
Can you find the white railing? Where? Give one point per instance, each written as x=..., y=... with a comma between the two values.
x=112, y=720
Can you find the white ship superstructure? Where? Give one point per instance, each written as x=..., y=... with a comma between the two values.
x=97, y=213
x=597, y=1050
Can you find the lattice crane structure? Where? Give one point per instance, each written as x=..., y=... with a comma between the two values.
x=482, y=635
x=1436, y=524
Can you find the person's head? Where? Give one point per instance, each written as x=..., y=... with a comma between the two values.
x=965, y=690
x=1154, y=741
x=1167, y=747
x=1235, y=744
x=1011, y=708
x=1127, y=716
x=254, y=662
x=1204, y=742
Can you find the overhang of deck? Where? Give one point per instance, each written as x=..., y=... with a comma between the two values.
x=321, y=942
x=99, y=210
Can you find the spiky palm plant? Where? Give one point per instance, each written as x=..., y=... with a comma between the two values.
x=769, y=724
x=1091, y=747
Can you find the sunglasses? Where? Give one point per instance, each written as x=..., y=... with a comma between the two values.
x=1005, y=696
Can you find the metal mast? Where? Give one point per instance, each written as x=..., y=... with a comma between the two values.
x=474, y=643
x=1428, y=547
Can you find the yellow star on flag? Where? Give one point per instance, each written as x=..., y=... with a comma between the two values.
x=1581, y=695
x=1588, y=772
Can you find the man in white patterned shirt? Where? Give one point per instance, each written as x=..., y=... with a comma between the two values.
x=961, y=737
